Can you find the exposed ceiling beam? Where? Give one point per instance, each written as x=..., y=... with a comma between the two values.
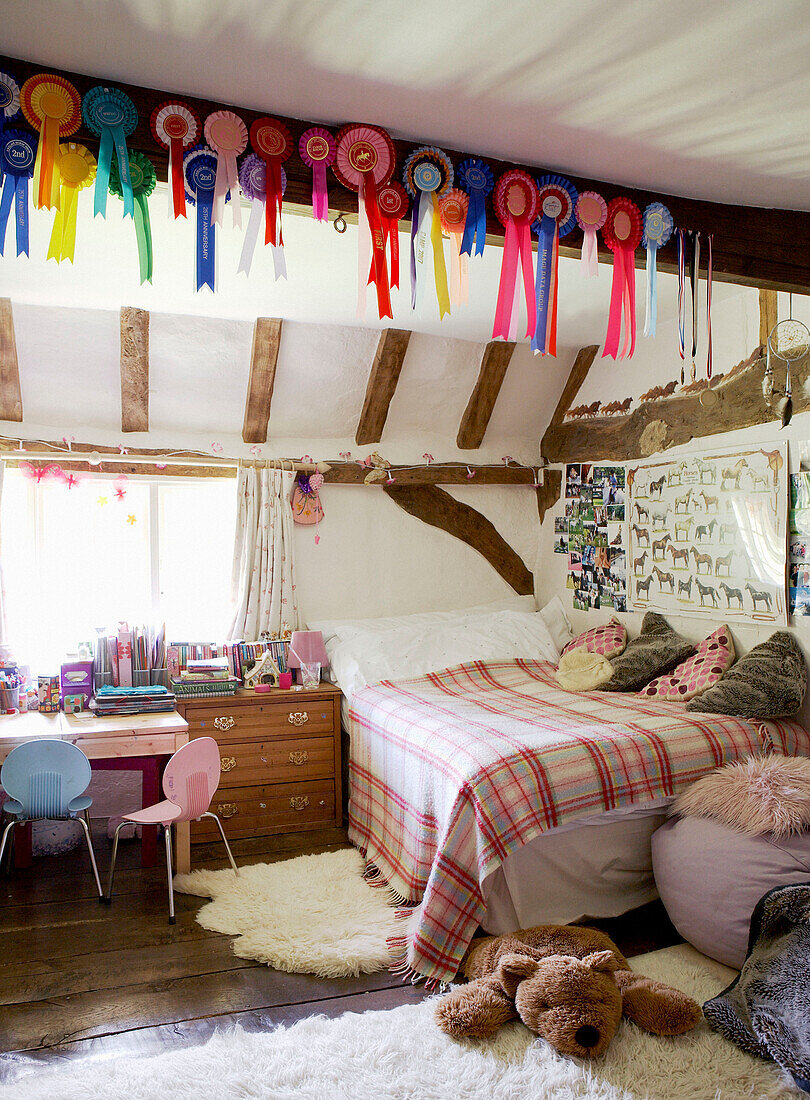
x=263, y=359
x=753, y=246
x=579, y=372
x=441, y=473
x=768, y=315
x=134, y=369
x=479, y=409
x=382, y=384
x=10, y=396
x=549, y=492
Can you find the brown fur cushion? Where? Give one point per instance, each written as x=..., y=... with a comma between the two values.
x=654, y=652
x=768, y=682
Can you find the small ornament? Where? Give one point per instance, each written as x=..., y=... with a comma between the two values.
x=317, y=149
x=427, y=173
x=306, y=504
x=176, y=127
x=622, y=234
x=253, y=179
x=52, y=106
x=143, y=180
x=453, y=208
x=558, y=198
x=111, y=115
x=77, y=169
x=392, y=200
x=200, y=172
x=18, y=151
x=272, y=141
x=475, y=177
x=590, y=212
x=658, y=226
x=517, y=204
x=227, y=135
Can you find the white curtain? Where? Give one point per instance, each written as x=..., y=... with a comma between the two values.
x=262, y=583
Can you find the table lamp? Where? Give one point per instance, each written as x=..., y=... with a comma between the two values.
x=307, y=646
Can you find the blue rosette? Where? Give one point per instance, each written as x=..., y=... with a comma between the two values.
x=9, y=104
x=475, y=177
x=111, y=115
x=658, y=228
x=558, y=200
x=18, y=154
x=200, y=174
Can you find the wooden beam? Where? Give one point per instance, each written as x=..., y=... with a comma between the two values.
x=382, y=384
x=768, y=315
x=436, y=507
x=449, y=473
x=479, y=409
x=134, y=369
x=10, y=396
x=549, y=492
x=263, y=359
x=579, y=372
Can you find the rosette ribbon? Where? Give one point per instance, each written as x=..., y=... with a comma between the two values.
x=558, y=197
x=622, y=233
x=453, y=208
x=317, y=149
x=590, y=211
x=517, y=204
x=18, y=151
x=9, y=106
x=200, y=171
x=658, y=226
x=253, y=179
x=54, y=107
x=176, y=127
x=143, y=178
x=475, y=177
x=271, y=140
x=77, y=168
x=427, y=174
x=392, y=200
x=111, y=115
x=227, y=135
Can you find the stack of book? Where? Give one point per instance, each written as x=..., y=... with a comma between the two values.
x=133, y=700
x=205, y=677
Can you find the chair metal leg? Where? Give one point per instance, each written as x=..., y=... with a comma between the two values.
x=83, y=824
x=6, y=831
x=167, y=833
x=208, y=813
x=86, y=816
x=108, y=898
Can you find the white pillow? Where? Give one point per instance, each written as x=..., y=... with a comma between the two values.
x=557, y=622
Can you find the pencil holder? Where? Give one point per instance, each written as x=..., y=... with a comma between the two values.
x=159, y=676
x=140, y=677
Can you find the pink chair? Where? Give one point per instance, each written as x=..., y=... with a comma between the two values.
x=189, y=783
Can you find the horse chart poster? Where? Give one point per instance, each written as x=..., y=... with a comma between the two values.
x=708, y=534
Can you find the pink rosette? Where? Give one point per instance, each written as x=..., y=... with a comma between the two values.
x=590, y=212
x=453, y=210
x=516, y=201
x=227, y=135
x=317, y=149
x=622, y=233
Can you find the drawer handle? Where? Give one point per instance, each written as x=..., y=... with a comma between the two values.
x=299, y=757
x=227, y=762
x=224, y=723
x=227, y=809
x=299, y=802
x=298, y=718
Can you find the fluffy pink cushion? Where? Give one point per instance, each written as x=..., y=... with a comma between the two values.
x=714, y=656
x=609, y=640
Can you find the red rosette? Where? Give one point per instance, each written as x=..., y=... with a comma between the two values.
x=624, y=225
x=516, y=197
x=175, y=121
x=453, y=209
x=392, y=200
x=271, y=139
x=363, y=150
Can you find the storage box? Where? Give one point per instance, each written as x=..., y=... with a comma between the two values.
x=77, y=679
x=72, y=704
x=48, y=694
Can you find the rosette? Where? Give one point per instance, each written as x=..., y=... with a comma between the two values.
x=176, y=127
x=622, y=233
x=200, y=173
x=392, y=200
x=143, y=178
x=54, y=107
x=427, y=173
x=517, y=203
x=317, y=149
x=253, y=179
x=558, y=198
x=364, y=160
x=453, y=208
x=227, y=135
x=475, y=177
x=77, y=168
x=271, y=140
x=9, y=105
x=18, y=151
x=658, y=226
x=590, y=212
x=111, y=115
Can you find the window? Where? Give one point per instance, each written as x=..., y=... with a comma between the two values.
x=147, y=550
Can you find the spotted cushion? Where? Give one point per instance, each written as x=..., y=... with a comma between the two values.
x=608, y=640
x=714, y=656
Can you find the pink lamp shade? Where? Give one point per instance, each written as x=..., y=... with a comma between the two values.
x=308, y=646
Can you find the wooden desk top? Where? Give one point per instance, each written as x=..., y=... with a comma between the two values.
x=135, y=728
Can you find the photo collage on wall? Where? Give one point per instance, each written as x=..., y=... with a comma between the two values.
x=592, y=535
x=799, y=546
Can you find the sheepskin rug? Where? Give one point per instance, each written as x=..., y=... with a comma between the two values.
x=401, y=1054
x=308, y=915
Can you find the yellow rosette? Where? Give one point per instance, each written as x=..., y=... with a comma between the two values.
x=77, y=168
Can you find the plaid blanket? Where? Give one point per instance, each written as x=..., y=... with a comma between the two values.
x=452, y=772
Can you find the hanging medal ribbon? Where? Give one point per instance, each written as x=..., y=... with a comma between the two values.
x=253, y=179
x=658, y=226
x=143, y=178
x=200, y=171
x=176, y=127
x=681, y=296
x=9, y=106
x=364, y=161
x=427, y=174
x=517, y=203
x=53, y=107
x=18, y=152
x=392, y=199
x=694, y=281
x=558, y=198
x=227, y=135
x=590, y=211
x=111, y=116
x=453, y=208
x=77, y=168
x=475, y=177
x=709, y=268
x=317, y=149
x=271, y=140
x=622, y=234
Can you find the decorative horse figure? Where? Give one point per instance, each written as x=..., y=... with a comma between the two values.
x=664, y=578
x=659, y=519
x=706, y=468
x=638, y=563
x=709, y=502
x=732, y=473
x=682, y=528
x=686, y=586
x=681, y=554
x=657, y=486
x=725, y=562
x=642, y=534
x=642, y=512
x=756, y=596
x=702, y=559
x=644, y=586
x=660, y=544
x=683, y=501
x=729, y=529
x=706, y=590
x=732, y=594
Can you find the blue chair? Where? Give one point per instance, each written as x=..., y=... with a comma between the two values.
x=46, y=780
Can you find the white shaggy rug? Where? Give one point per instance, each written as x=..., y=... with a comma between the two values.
x=401, y=1054
x=308, y=915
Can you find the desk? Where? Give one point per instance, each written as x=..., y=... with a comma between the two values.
x=135, y=741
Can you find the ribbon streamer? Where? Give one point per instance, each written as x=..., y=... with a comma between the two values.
x=17, y=156
x=227, y=135
x=694, y=280
x=658, y=226
x=143, y=179
x=622, y=234
x=517, y=204
x=475, y=177
x=200, y=170
x=111, y=115
x=681, y=296
x=176, y=127
x=709, y=271
x=427, y=174
x=77, y=168
x=558, y=199
x=53, y=107
x=590, y=212
x=453, y=208
x=253, y=180
x=317, y=149
x=271, y=140
x=392, y=200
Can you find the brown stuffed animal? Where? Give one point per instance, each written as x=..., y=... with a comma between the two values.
x=570, y=985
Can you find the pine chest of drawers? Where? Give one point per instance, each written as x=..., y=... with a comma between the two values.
x=280, y=758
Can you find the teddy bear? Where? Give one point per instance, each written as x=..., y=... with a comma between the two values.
x=568, y=984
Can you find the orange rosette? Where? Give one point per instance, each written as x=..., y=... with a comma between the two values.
x=53, y=106
x=453, y=209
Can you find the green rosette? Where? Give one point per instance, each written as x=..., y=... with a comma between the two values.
x=143, y=176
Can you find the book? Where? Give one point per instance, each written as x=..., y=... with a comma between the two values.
x=204, y=689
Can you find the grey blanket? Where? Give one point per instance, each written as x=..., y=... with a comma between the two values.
x=766, y=1010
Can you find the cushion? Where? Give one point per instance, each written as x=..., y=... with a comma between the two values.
x=768, y=682
x=654, y=652
x=713, y=656
x=555, y=618
x=581, y=670
x=609, y=639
